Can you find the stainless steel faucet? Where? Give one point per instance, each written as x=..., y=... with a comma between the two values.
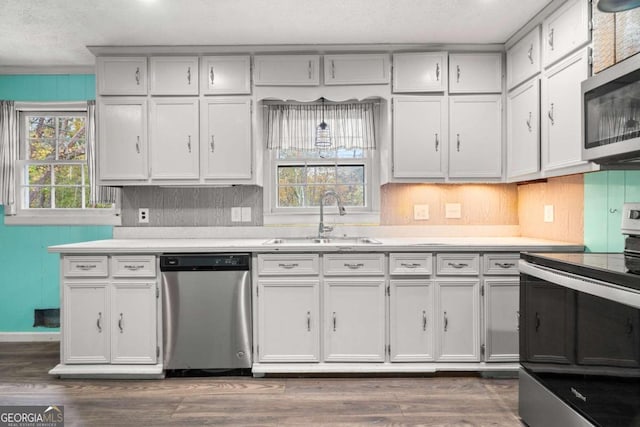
x=322, y=229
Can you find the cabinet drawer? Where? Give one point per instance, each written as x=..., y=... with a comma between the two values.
x=458, y=264
x=134, y=266
x=410, y=264
x=290, y=264
x=85, y=266
x=501, y=264
x=354, y=264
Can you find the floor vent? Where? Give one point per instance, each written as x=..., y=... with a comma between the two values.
x=46, y=317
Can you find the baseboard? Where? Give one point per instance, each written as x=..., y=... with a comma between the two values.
x=29, y=336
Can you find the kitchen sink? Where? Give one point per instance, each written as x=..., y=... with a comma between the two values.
x=323, y=240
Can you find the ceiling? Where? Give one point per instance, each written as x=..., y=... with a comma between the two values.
x=55, y=33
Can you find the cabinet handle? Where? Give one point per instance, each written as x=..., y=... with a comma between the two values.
x=411, y=265
x=99, y=322
x=288, y=266
x=138, y=76
x=437, y=142
x=530, y=53
x=189, y=142
x=629, y=326
x=458, y=142
x=446, y=322
x=353, y=266
x=212, y=144
x=211, y=76
x=86, y=267
x=529, y=122
x=309, y=69
x=457, y=74
x=550, y=114
x=424, y=320
x=333, y=69
x=505, y=264
x=138, y=144
x=121, y=323
x=132, y=267
x=334, y=321
x=518, y=320
x=437, y=71
x=537, y=321
x=458, y=265
x=189, y=75
x=308, y=321
x=551, y=38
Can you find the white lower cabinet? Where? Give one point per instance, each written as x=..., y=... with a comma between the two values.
x=501, y=315
x=288, y=320
x=354, y=320
x=458, y=320
x=411, y=320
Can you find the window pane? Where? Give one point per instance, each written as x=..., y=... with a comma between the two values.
x=352, y=195
x=42, y=148
x=351, y=174
x=68, y=174
x=321, y=175
x=291, y=196
x=39, y=197
x=71, y=144
x=290, y=175
x=39, y=175
x=69, y=197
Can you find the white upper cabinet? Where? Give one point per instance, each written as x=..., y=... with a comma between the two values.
x=356, y=69
x=523, y=129
x=419, y=136
x=561, y=106
x=226, y=149
x=286, y=70
x=475, y=142
x=475, y=72
x=523, y=59
x=225, y=75
x=174, y=138
x=122, y=75
x=420, y=72
x=173, y=75
x=565, y=30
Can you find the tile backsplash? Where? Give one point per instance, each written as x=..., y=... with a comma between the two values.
x=191, y=207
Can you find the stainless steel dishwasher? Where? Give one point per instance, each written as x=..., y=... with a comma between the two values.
x=206, y=311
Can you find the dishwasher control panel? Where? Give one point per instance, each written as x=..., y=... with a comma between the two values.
x=204, y=262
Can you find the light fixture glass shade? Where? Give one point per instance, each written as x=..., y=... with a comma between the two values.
x=323, y=135
x=617, y=5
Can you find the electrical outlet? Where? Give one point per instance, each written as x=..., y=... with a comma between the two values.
x=548, y=213
x=245, y=214
x=453, y=210
x=236, y=214
x=420, y=212
x=143, y=215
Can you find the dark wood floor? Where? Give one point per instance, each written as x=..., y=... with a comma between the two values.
x=460, y=400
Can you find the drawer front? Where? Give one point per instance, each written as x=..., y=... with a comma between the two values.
x=134, y=266
x=353, y=264
x=85, y=266
x=458, y=264
x=289, y=264
x=501, y=264
x=410, y=264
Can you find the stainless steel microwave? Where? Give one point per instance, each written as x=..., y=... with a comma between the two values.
x=611, y=115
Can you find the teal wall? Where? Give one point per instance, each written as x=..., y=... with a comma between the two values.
x=29, y=275
x=604, y=194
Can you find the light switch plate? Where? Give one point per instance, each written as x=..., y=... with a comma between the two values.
x=453, y=210
x=420, y=212
x=236, y=214
x=246, y=214
x=548, y=213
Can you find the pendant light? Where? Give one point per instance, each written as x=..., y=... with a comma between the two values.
x=323, y=134
x=617, y=5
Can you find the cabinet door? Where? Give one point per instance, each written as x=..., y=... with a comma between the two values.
x=457, y=320
x=420, y=72
x=565, y=30
x=133, y=323
x=174, y=138
x=523, y=129
x=501, y=316
x=286, y=70
x=418, y=137
x=85, y=328
x=475, y=72
x=523, y=59
x=222, y=75
x=561, y=106
x=475, y=142
x=356, y=69
x=226, y=139
x=122, y=139
x=354, y=320
x=173, y=75
x=289, y=320
x=411, y=321
x=122, y=75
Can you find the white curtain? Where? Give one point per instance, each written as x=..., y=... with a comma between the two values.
x=99, y=194
x=293, y=126
x=9, y=145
